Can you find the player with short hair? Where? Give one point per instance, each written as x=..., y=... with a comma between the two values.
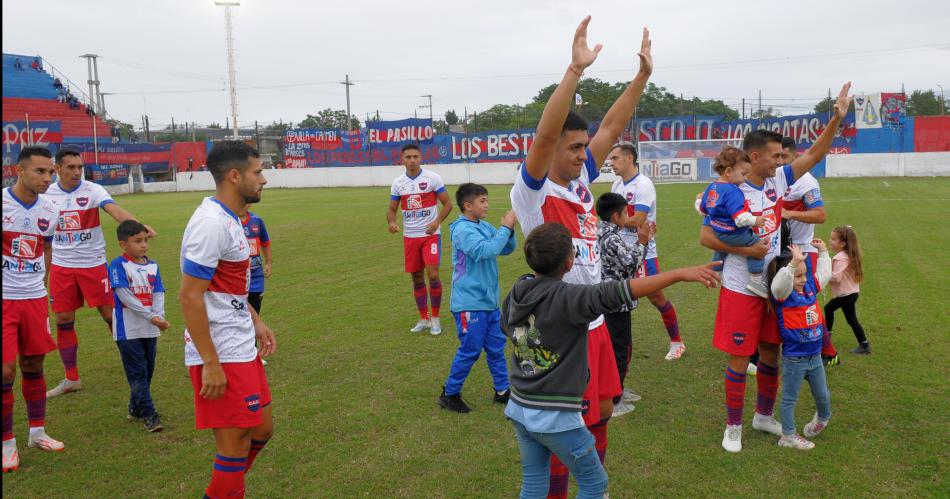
x=29, y=222
x=640, y=194
x=78, y=271
x=802, y=209
x=552, y=185
x=418, y=191
x=743, y=320
x=231, y=393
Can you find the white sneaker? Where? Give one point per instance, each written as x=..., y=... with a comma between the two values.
x=814, y=427
x=623, y=407
x=630, y=396
x=436, y=326
x=732, y=438
x=11, y=458
x=767, y=424
x=263, y=362
x=420, y=326
x=65, y=386
x=752, y=369
x=43, y=441
x=757, y=285
x=676, y=350
x=795, y=442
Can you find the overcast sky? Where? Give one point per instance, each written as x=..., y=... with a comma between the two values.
x=169, y=60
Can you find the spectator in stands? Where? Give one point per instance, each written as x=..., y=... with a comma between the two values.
x=57, y=84
x=17, y=64
x=37, y=64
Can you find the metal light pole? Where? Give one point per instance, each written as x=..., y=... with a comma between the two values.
x=232, y=78
x=943, y=100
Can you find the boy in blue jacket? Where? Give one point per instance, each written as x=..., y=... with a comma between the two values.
x=475, y=294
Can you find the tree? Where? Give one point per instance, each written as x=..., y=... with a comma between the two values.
x=451, y=117
x=761, y=114
x=825, y=106
x=925, y=103
x=215, y=125
x=179, y=136
x=126, y=131
x=276, y=128
x=330, y=119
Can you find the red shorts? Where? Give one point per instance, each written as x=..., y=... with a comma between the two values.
x=422, y=251
x=68, y=287
x=604, y=381
x=651, y=266
x=246, y=395
x=742, y=321
x=26, y=328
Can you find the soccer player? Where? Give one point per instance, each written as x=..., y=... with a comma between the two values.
x=29, y=222
x=259, y=241
x=802, y=209
x=78, y=271
x=552, y=185
x=231, y=393
x=640, y=194
x=417, y=192
x=743, y=320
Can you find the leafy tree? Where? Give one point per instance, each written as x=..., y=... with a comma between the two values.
x=331, y=119
x=215, y=125
x=761, y=114
x=277, y=128
x=126, y=130
x=825, y=106
x=451, y=117
x=179, y=136
x=925, y=103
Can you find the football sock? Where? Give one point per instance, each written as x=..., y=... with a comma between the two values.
x=735, y=396
x=256, y=447
x=599, y=430
x=435, y=295
x=422, y=303
x=34, y=392
x=669, y=320
x=827, y=348
x=767, y=383
x=227, y=477
x=557, y=485
x=68, y=344
x=7, y=411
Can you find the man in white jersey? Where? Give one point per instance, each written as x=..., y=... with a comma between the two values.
x=78, y=271
x=29, y=222
x=419, y=192
x=552, y=185
x=744, y=321
x=231, y=393
x=640, y=194
x=802, y=209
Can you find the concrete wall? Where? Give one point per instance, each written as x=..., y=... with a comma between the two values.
x=918, y=164
x=159, y=187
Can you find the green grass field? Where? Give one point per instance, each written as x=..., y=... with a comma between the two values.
x=355, y=393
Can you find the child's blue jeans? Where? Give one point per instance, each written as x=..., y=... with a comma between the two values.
x=138, y=360
x=741, y=237
x=575, y=448
x=794, y=371
x=478, y=331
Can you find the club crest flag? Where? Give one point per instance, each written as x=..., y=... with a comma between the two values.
x=867, y=111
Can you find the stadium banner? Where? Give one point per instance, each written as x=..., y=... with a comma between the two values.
x=482, y=147
x=41, y=133
x=678, y=128
x=867, y=111
x=893, y=107
x=804, y=128
x=128, y=154
x=670, y=170
x=106, y=174
x=418, y=130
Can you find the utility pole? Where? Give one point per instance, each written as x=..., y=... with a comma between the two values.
x=232, y=76
x=257, y=136
x=760, y=104
x=429, y=96
x=743, y=108
x=830, y=104
x=348, y=84
x=173, y=129
x=148, y=136
x=193, y=132
x=93, y=70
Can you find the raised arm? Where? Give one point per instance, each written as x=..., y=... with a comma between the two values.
x=819, y=149
x=622, y=110
x=549, y=128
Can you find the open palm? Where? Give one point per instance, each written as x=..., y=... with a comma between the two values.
x=646, y=54
x=843, y=102
x=581, y=54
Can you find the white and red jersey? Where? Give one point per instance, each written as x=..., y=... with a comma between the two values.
x=539, y=201
x=215, y=249
x=418, y=198
x=143, y=280
x=26, y=228
x=641, y=196
x=764, y=201
x=78, y=243
x=803, y=195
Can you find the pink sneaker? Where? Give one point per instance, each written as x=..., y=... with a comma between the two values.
x=43, y=441
x=814, y=427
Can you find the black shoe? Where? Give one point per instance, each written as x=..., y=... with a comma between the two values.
x=153, y=423
x=862, y=349
x=503, y=398
x=453, y=403
x=132, y=415
x=830, y=361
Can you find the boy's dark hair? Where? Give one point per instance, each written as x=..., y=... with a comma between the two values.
x=547, y=248
x=628, y=148
x=789, y=143
x=129, y=228
x=574, y=121
x=610, y=203
x=63, y=152
x=467, y=193
x=757, y=139
x=774, y=266
x=229, y=155
x=407, y=147
x=729, y=157
x=27, y=152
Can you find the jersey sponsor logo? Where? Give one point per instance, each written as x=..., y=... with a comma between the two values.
x=69, y=220
x=42, y=224
x=253, y=402
x=72, y=237
x=82, y=202
x=237, y=304
x=254, y=246
x=8, y=219
x=22, y=266
x=588, y=225
x=414, y=202
x=771, y=224
x=711, y=199
x=586, y=252
x=423, y=185
x=811, y=315
x=738, y=338
x=582, y=193
x=24, y=246
x=770, y=193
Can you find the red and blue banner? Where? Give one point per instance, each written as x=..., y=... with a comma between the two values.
x=411, y=130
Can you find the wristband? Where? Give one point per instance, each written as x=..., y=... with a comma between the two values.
x=571, y=69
